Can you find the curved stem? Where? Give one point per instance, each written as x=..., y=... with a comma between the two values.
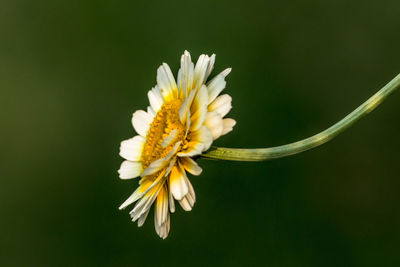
x=260, y=154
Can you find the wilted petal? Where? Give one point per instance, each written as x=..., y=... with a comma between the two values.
x=222, y=105
x=214, y=124
x=228, y=125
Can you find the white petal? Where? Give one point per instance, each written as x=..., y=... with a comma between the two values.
x=177, y=182
x=130, y=169
x=155, y=98
x=225, y=72
x=142, y=218
x=171, y=202
x=201, y=140
x=228, y=125
x=170, y=138
x=161, y=207
x=163, y=230
x=181, y=91
x=185, y=204
x=147, y=200
x=203, y=136
x=132, y=198
x=184, y=110
x=141, y=191
x=186, y=72
x=222, y=105
x=131, y=149
x=194, y=148
x=216, y=85
x=191, y=195
x=143, y=205
x=137, y=194
x=190, y=165
x=155, y=166
x=201, y=69
x=188, y=201
x=141, y=121
x=199, y=109
x=187, y=123
x=214, y=124
x=210, y=66
x=151, y=112
x=166, y=82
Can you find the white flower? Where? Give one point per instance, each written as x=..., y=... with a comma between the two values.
x=182, y=121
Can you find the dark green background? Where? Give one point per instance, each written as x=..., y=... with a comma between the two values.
x=73, y=72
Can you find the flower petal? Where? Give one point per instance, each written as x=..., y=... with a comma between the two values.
x=184, y=110
x=203, y=136
x=155, y=166
x=130, y=169
x=199, y=109
x=155, y=98
x=177, y=182
x=170, y=138
x=139, y=192
x=193, y=149
x=171, y=202
x=186, y=73
x=131, y=149
x=190, y=165
x=216, y=85
x=147, y=200
x=201, y=70
x=141, y=121
x=222, y=105
x=210, y=66
x=142, y=218
x=228, y=125
x=163, y=230
x=191, y=193
x=166, y=83
x=188, y=201
x=214, y=124
x=151, y=112
x=161, y=206
x=185, y=204
x=201, y=140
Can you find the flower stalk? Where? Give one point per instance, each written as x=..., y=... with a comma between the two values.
x=261, y=154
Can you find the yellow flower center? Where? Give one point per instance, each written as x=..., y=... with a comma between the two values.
x=165, y=122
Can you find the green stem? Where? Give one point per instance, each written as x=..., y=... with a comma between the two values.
x=260, y=154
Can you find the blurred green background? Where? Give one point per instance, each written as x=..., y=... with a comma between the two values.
x=73, y=72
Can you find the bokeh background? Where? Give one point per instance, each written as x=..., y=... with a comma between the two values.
x=73, y=72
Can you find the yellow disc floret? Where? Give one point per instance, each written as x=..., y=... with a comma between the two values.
x=165, y=122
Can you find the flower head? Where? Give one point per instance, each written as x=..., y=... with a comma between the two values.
x=182, y=121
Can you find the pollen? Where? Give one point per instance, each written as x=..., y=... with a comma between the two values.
x=165, y=130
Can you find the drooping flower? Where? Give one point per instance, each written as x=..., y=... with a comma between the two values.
x=182, y=121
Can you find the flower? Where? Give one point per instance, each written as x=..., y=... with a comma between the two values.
x=182, y=121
